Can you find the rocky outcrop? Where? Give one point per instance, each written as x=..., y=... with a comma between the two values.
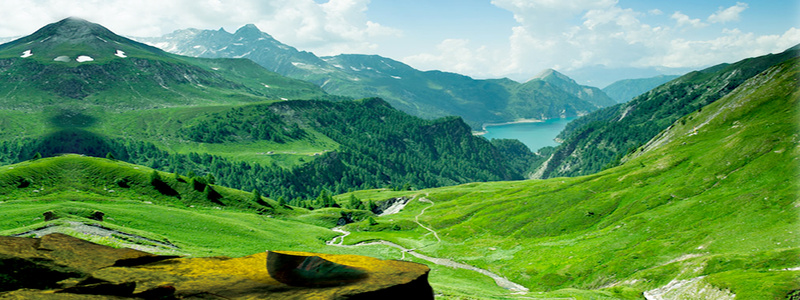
x=58, y=266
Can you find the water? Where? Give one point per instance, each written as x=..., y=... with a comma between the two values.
x=533, y=135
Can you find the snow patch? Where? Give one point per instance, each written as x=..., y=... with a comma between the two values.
x=120, y=53
x=266, y=85
x=397, y=77
x=243, y=55
x=62, y=58
x=284, y=99
x=197, y=46
x=84, y=58
x=99, y=38
x=298, y=64
x=238, y=44
x=27, y=53
x=215, y=69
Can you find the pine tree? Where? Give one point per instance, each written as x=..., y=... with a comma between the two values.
x=354, y=203
x=155, y=178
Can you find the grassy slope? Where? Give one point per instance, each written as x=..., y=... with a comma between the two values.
x=720, y=203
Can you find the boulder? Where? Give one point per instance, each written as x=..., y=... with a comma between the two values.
x=58, y=266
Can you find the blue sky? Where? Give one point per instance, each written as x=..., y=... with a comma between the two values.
x=479, y=38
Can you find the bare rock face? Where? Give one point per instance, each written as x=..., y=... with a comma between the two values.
x=58, y=266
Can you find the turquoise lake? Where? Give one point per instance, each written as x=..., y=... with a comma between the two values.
x=534, y=135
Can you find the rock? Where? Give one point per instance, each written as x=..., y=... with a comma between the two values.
x=310, y=271
x=58, y=266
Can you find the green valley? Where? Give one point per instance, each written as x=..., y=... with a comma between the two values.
x=688, y=191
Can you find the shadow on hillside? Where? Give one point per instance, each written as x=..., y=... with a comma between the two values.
x=73, y=140
x=67, y=118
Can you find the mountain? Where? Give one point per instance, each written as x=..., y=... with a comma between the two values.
x=246, y=42
x=625, y=90
x=227, y=117
x=76, y=61
x=599, y=140
x=602, y=76
x=589, y=94
x=430, y=94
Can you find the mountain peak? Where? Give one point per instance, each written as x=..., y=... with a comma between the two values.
x=74, y=29
x=74, y=39
x=250, y=31
x=551, y=74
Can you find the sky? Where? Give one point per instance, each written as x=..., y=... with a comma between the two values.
x=478, y=38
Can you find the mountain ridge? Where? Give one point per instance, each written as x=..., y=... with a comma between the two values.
x=428, y=94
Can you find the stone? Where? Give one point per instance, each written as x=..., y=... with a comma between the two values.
x=58, y=266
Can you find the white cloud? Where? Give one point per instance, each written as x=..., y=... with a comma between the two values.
x=548, y=36
x=729, y=14
x=684, y=20
x=460, y=57
x=331, y=27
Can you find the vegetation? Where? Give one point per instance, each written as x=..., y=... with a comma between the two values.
x=362, y=151
x=600, y=139
x=711, y=200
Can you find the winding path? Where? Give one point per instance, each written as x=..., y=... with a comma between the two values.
x=416, y=218
x=501, y=281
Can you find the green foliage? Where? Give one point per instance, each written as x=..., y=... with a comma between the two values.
x=354, y=203
x=410, y=154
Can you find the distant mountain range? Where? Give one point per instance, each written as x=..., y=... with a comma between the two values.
x=429, y=94
x=625, y=90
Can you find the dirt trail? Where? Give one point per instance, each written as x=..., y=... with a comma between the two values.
x=501, y=281
x=416, y=218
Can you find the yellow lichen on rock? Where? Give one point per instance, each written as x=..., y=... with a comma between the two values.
x=76, y=269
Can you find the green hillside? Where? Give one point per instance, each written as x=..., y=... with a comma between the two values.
x=713, y=201
x=600, y=139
